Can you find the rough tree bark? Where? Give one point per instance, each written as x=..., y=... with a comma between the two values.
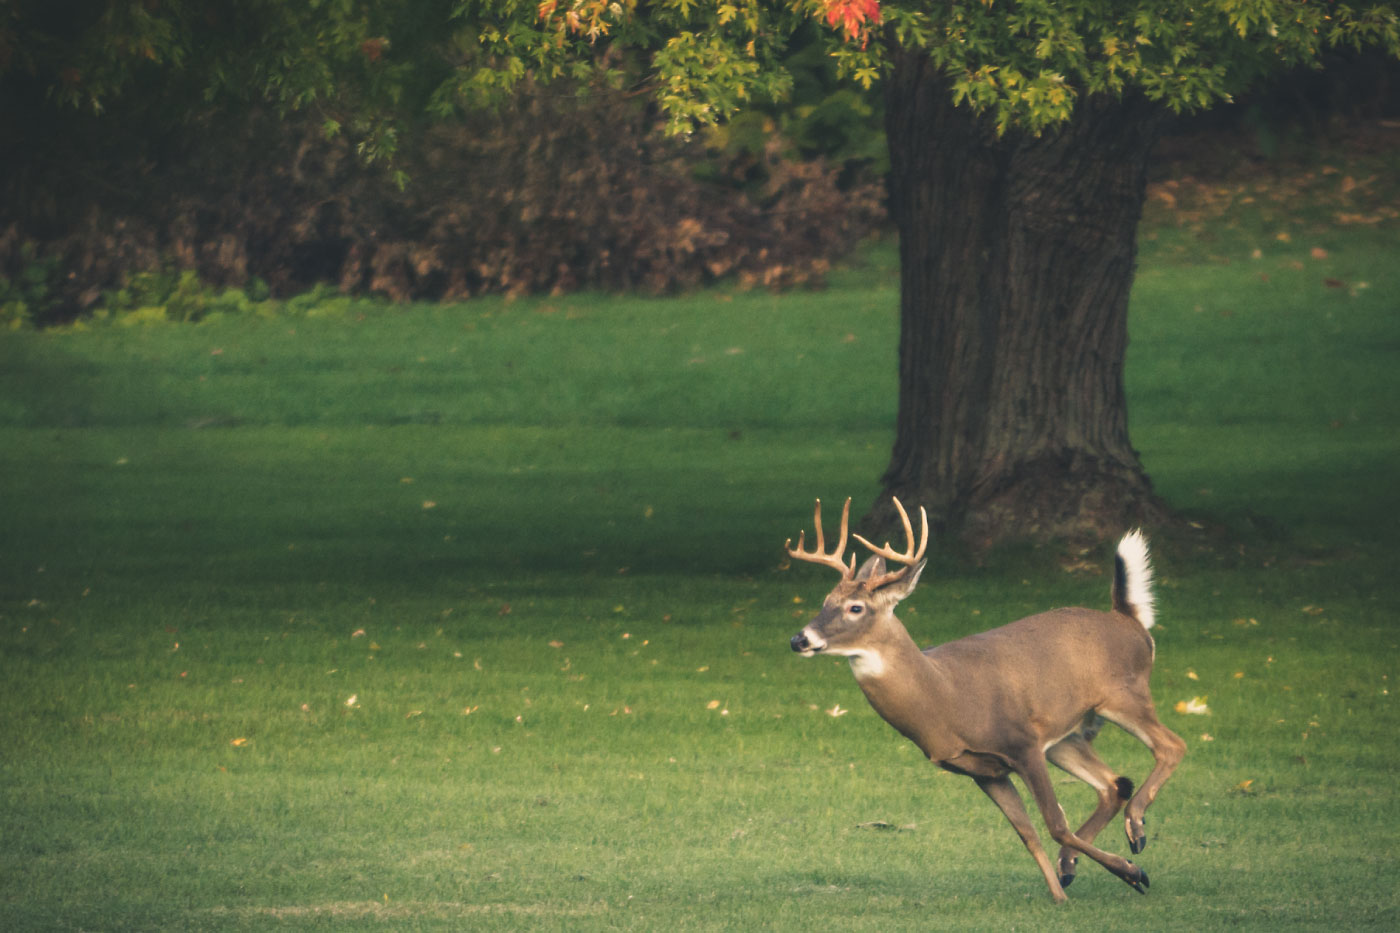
x=1017, y=256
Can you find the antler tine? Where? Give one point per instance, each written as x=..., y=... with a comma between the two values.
x=820, y=556
x=910, y=555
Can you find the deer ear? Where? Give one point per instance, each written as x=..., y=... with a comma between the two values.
x=900, y=589
x=872, y=567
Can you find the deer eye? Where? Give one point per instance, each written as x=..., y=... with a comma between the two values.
x=855, y=609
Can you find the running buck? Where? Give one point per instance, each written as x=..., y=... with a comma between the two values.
x=1003, y=701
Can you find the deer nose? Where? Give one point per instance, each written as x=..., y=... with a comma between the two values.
x=800, y=642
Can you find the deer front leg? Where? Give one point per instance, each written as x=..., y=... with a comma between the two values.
x=1037, y=778
x=1004, y=795
x=1076, y=756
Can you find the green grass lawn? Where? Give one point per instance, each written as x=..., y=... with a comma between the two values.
x=475, y=616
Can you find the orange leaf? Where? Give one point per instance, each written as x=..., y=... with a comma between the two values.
x=855, y=17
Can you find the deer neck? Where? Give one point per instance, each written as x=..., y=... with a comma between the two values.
x=903, y=685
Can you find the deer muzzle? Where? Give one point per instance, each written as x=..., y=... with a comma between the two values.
x=807, y=643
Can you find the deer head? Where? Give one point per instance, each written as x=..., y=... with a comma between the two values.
x=854, y=613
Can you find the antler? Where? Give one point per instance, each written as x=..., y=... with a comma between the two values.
x=819, y=556
x=909, y=558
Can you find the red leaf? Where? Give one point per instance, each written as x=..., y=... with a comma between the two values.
x=855, y=17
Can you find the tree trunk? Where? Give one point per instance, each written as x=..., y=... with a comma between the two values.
x=1016, y=257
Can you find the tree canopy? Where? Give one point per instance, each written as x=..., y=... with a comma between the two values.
x=370, y=65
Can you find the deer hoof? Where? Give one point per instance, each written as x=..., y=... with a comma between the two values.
x=1067, y=866
x=1137, y=836
x=1138, y=881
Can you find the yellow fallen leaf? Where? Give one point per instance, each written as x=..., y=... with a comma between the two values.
x=354, y=699
x=1196, y=706
x=837, y=711
x=1207, y=737
x=1243, y=786
x=1193, y=675
x=429, y=504
x=239, y=742
x=713, y=704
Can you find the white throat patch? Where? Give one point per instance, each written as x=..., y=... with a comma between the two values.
x=867, y=664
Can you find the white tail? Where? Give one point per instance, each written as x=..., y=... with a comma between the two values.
x=1007, y=700
x=1132, y=580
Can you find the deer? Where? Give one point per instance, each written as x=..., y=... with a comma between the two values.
x=1007, y=700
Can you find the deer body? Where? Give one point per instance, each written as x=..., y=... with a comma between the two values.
x=993, y=678
x=1007, y=700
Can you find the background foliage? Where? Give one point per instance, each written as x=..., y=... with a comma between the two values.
x=241, y=167
x=249, y=142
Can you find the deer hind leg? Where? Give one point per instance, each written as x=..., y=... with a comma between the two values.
x=1033, y=771
x=1004, y=795
x=1139, y=718
x=1075, y=755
